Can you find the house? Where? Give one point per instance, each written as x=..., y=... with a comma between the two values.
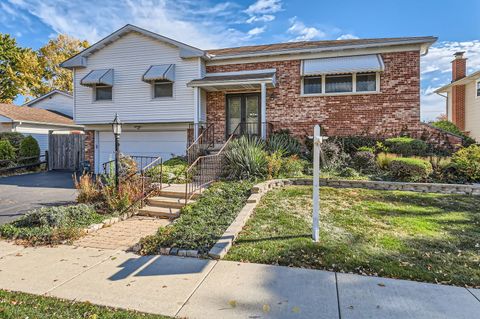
x=161, y=87
x=36, y=122
x=463, y=97
x=57, y=101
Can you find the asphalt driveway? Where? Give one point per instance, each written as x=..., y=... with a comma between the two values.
x=19, y=194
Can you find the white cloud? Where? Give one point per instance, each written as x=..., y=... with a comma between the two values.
x=262, y=18
x=256, y=31
x=436, y=72
x=264, y=7
x=347, y=36
x=302, y=32
x=188, y=21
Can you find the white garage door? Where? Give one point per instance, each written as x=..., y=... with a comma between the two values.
x=165, y=144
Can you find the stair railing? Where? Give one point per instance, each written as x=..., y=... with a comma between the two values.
x=205, y=170
x=203, y=142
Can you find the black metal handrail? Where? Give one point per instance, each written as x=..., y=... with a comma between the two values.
x=200, y=146
x=141, y=161
x=255, y=129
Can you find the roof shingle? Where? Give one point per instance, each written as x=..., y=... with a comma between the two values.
x=26, y=113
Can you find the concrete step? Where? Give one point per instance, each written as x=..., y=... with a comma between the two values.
x=175, y=194
x=167, y=202
x=159, y=212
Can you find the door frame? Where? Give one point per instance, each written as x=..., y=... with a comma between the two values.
x=243, y=108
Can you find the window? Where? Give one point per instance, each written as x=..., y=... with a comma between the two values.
x=366, y=82
x=338, y=83
x=162, y=89
x=312, y=85
x=478, y=88
x=103, y=93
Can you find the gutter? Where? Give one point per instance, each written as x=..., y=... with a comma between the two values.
x=20, y=122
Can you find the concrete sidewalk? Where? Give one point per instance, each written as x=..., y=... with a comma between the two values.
x=196, y=288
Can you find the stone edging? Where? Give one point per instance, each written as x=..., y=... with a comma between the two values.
x=108, y=222
x=222, y=246
x=461, y=189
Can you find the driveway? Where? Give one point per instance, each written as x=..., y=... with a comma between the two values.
x=19, y=194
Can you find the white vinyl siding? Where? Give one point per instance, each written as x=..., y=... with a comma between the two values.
x=472, y=111
x=130, y=57
x=42, y=140
x=145, y=143
x=56, y=102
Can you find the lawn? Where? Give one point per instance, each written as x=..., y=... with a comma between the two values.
x=424, y=237
x=15, y=305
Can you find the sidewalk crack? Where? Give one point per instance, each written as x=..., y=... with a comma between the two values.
x=338, y=297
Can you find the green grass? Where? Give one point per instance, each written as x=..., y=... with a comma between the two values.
x=15, y=305
x=424, y=237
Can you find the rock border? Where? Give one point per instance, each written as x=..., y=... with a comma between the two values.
x=108, y=222
x=223, y=245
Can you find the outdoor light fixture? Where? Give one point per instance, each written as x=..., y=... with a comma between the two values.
x=117, y=130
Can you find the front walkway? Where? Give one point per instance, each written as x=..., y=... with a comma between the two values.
x=198, y=288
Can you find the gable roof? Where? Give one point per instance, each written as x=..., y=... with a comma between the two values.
x=79, y=60
x=53, y=92
x=316, y=46
x=33, y=115
x=472, y=77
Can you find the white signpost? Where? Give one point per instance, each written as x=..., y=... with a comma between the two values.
x=317, y=140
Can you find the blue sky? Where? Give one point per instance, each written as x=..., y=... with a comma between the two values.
x=210, y=24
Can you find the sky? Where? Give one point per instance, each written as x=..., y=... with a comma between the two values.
x=211, y=24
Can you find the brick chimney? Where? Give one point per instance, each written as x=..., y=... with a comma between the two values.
x=459, y=71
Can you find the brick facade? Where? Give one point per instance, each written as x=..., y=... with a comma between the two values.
x=90, y=148
x=459, y=71
x=395, y=108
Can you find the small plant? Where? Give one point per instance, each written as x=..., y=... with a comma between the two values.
x=7, y=152
x=384, y=159
x=410, y=169
x=285, y=143
x=351, y=144
x=88, y=189
x=349, y=172
x=406, y=146
x=467, y=162
x=292, y=166
x=331, y=156
x=364, y=161
x=245, y=158
x=366, y=149
x=274, y=164
x=29, y=148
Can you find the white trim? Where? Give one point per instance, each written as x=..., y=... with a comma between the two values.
x=477, y=89
x=465, y=80
x=263, y=110
x=48, y=124
x=241, y=72
x=95, y=100
x=153, y=83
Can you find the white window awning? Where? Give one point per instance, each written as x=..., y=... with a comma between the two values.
x=165, y=72
x=98, y=77
x=346, y=64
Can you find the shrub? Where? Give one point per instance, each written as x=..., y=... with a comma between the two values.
x=366, y=149
x=351, y=144
x=384, y=159
x=452, y=128
x=29, y=148
x=88, y=189
x=467, y=162
x=274, y=163
x=245, y=158
x=331, y=156
x=7, y=152
x=172, y=170
x=292, y=166
x=14, y=138
x=364, y=161
x=406, y=146
x=285, y=143
x=348, y=172
x=51, y=225
x=201, y=224
x=410, y=169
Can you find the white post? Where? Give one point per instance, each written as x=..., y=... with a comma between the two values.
x=317, y=140
x=263, y=113
x=196, y=112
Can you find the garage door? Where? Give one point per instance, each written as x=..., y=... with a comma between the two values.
x=165, y=144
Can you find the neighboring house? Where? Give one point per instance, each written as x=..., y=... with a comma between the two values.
x=160, y=87
x=56, y=101
x=463, y=97
x=35, y=122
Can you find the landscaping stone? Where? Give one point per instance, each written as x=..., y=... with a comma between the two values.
x=374, y=297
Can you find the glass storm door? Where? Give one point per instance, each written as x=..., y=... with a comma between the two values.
x=243, y=109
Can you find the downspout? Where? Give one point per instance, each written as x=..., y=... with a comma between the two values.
x=446, y=102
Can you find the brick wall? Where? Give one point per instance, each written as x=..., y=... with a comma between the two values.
x=396, y=108
x=90, y=148
x=458, y=106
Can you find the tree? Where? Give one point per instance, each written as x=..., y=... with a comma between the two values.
x=50, y=56
x=19, y=69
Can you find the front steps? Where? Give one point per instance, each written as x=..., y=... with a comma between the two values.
x=167, y=204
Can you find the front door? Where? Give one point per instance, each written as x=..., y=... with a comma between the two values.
x=243, y=111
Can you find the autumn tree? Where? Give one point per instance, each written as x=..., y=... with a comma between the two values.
x=50, y=56
x=19, y=69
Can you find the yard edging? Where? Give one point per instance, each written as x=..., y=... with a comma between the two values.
x=108, y=222
x=223, y=245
